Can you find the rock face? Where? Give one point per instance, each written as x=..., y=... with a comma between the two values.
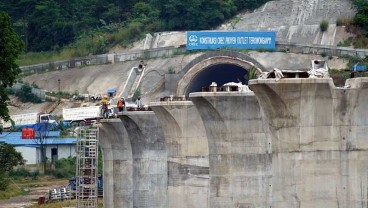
x=292, y=20
x=298, y=20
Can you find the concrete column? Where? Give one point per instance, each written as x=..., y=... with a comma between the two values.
x=149, y=159
x=118, y=169
x=107, y=157
x=351, y=110
x=313, y=130
x=239, y=148
x=187, y=149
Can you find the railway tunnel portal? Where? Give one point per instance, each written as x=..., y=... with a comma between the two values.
x=216, y=66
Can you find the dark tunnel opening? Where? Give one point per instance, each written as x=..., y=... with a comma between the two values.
x=220, y=73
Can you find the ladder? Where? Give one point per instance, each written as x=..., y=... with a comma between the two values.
x=87, y=169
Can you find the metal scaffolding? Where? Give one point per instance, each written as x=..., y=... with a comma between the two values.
x=87, y=169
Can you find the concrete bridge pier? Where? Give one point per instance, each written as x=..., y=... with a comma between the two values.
x=149, y=159
x=117, y=164
x=319, y=159
x=187, y=148
x=352, y=112
x=239, y=149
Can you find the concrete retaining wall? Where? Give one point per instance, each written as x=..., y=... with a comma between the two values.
x=169, y=51
x=37, y=92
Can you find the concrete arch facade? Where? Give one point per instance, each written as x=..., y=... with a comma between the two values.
x=187, y=152
x=149, y=159
x=117, y=163
x=239, y=149
x=319, y=141
x=213, y=58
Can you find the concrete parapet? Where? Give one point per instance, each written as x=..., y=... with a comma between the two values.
x=239, y=149
x=117, y=164
x=319, y=145
x=187, y=149
x=149, y=159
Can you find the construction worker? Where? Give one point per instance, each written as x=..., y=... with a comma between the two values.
x=121, y=104
x=105, y=106
x=138, y=102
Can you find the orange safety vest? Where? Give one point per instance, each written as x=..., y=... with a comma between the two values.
x=120, y=104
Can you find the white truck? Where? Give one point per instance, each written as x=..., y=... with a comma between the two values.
x=83, y=115
x=29, y=120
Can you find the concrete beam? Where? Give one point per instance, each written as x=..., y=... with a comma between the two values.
x=149, y=159
x=239, y=148
x=319, y=154
x=187, y=149
x=117, y=161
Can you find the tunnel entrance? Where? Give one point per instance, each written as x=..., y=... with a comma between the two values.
x=215, y=66
x=219, y=73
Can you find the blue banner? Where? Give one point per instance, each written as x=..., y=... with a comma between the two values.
x=225, y=39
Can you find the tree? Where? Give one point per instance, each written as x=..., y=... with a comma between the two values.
x=9, y=158
x=42, y=131
x=10, y=48
x=361, y=18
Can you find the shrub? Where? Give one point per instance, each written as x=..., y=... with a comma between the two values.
x=9, y=91
x=3, y=182
x=64, y=168
x=22, y=172
x=339, y=22
x=171, y=70
x=323, y=25
x=25, y=94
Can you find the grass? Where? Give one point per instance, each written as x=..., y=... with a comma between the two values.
x=66, y=203
x=12, y=191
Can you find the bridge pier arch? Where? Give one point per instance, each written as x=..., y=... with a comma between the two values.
x=117, y=164
x=239, y=149
x=187, y=149
x=149, y=159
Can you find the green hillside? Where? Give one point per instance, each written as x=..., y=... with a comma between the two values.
x=58, y=29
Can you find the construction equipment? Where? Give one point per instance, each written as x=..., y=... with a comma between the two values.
x=30, y=120
x=87, y=169
x=83, y=116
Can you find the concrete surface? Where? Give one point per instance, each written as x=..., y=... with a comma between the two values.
x=118, y=164
x=149, y=159
x=239, y=149
x=319, y=147
x=187, y=149
x=291, y=143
